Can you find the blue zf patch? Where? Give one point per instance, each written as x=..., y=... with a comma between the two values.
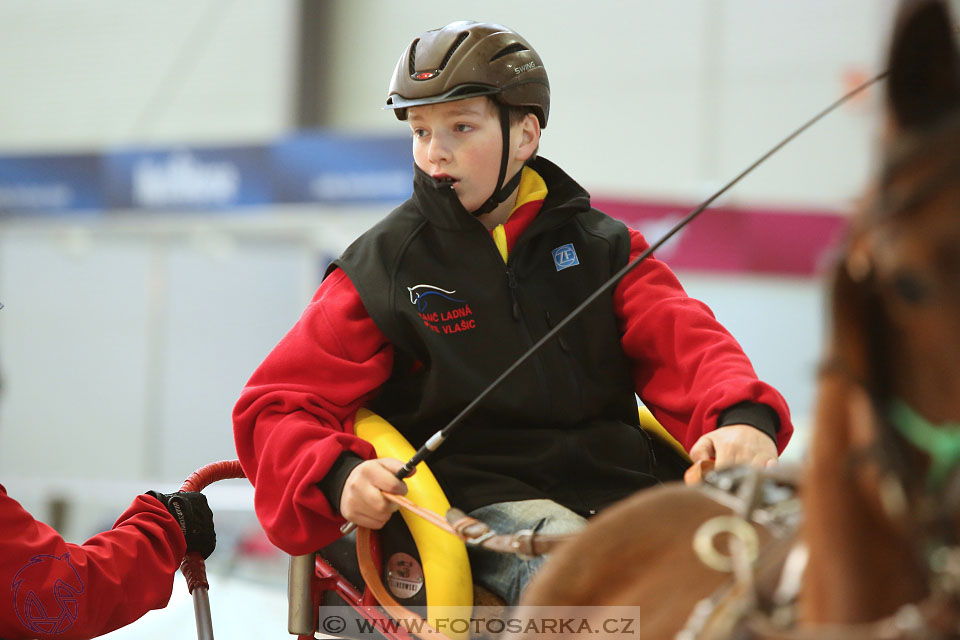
x=565, y=256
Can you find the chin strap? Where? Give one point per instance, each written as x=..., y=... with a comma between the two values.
x=502, y=191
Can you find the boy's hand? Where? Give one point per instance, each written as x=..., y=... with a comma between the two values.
x=362, y=501
x=735, y=444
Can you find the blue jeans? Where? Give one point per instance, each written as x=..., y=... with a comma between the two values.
x=506, y=574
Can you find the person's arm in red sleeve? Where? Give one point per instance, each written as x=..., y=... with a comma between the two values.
x=50, y=588
x=293, y=423
x=688, y=369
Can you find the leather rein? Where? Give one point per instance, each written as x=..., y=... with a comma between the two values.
x=473, y=532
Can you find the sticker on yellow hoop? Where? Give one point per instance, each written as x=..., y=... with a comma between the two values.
x=445, y=566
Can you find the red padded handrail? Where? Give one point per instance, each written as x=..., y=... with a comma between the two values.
x=192, y=567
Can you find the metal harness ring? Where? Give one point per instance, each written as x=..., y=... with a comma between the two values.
x=737, y=527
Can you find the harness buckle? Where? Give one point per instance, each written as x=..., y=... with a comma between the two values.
x=523, y=539
x=480, y=539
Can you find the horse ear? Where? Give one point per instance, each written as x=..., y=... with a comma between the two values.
x=924, y=82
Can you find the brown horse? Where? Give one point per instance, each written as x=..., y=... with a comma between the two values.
x=880, y=491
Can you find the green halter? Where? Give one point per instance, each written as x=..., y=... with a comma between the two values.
x=940, y=442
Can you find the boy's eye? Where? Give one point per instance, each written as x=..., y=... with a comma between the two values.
x=419, y=133
x=462, y=128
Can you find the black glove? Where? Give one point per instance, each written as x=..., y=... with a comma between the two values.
x=196, y=520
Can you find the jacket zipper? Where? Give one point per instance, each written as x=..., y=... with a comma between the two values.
x=513, y=285
x=568, y=352
x=564, y=345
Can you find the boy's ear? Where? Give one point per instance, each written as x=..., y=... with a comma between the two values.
x=529, y=136
x=924, y=82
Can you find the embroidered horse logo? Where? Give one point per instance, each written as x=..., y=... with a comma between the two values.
x=420, y=295
x=54, y=610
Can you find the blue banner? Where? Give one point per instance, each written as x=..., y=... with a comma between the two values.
x=321, y=167
x=218, y=178
x=51, y=184
x=332, y=168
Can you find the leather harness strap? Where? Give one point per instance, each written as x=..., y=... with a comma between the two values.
x=431, y=517
x=473, y=532
x=525, y=543
x=393, y=608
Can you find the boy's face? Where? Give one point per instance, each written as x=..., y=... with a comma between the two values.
x=461, y=140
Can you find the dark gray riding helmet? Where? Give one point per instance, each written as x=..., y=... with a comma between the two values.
x=467, y=59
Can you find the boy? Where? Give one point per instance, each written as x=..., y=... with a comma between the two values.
x=494, y=247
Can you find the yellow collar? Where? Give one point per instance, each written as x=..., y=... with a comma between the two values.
x=532, y=187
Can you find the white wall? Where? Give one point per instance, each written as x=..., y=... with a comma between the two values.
x=86, y=74
x=125, y=342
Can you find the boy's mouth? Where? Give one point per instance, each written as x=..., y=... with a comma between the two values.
x=445, y=179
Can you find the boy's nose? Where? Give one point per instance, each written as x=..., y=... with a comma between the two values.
x=439, y=152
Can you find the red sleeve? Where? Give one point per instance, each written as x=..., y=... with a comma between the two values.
x=295, y=416
x=687, y=368
x=50, y=588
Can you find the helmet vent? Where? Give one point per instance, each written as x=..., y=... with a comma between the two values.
x=456, y=44
x=516, y=47
x=411, y=63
